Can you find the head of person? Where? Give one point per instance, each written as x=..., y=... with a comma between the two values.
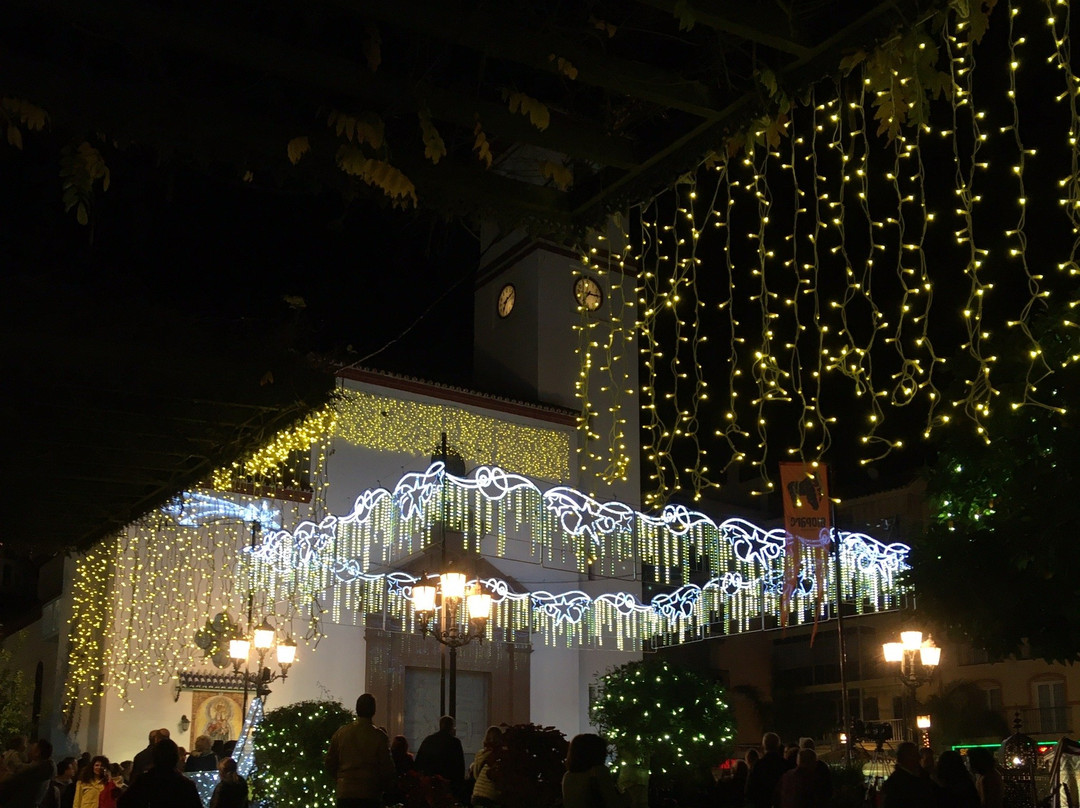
x=981, y=760
x=203, y=745
x=770, y=742
x=447, y=724
x=125, y=767
x=16, y=743
x=806, y=760
x=114, y=770
x=165, y=755
x=950, y=767
x=163, y=733
x=926, y=758
x=41, y=749
x=741, y=770
x=585, y=751
x=227, y=770
x=228, y=749
x=399, y=746
x=154, y=737
x=791, y=752
x=96, y=769
x=66, y=769
x=493, y=737
x=365, y=706
x=807, y=743
x=752, y=756
x=907, y=757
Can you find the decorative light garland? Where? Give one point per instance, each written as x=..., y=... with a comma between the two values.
x=802, y=300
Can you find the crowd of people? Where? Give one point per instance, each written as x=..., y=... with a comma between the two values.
x=920, y=780
x=154, y=777
x=367, y=766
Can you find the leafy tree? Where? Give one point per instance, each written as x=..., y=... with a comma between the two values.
x=998, y=564
x=14, y=698
x=290, y=749
x=961, y=715
x=672, y=719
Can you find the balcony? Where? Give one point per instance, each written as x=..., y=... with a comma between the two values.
x=1046, y=722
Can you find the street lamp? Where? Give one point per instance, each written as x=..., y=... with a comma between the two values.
x=923, y=723
x=918, y=659
x=454, y=614
x=263, y=639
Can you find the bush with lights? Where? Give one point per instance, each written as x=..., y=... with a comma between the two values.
x=528, y=766
x=672, y=720
x=290, y=754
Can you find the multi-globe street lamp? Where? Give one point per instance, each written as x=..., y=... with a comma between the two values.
x=263, y=638
x=455, y=615
x=917, y=659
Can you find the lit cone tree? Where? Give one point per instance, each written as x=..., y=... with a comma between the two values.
x=673, y=720
x=290, y=754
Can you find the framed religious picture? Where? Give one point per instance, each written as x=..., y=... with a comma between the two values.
x=219, y=715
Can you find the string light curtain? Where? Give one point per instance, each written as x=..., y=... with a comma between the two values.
x=845, y=270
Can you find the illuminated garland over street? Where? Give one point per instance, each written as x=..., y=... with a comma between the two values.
x=150, y=590
x=335, y=558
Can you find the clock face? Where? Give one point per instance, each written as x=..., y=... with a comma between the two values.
x=588, y=294
x=506, y=300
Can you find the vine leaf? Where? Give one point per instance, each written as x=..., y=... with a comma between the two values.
x=539, y=115
x=434, y=147
x=562, y=176
x=481, y=145
x=976, y=13
x=564, y=65
x=365, y=128
x=80, y=168
x=603, y=25
x=298, y=147
x=378, y=174
x=852, y=60
x=685, y=15
x=16, y=111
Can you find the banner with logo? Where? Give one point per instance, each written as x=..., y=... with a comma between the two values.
x=808, y=530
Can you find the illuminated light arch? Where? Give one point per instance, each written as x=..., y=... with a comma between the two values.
x=341, y=555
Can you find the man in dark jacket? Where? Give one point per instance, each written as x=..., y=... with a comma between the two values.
x=441, y=754
x=144, y=759
x=763, y=784
x=162, y=786
x=906, y=787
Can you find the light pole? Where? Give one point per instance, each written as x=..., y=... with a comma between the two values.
x=918, y=659
x=263, y=639
x=454, y=616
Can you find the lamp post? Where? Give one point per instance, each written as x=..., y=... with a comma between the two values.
x=263, y=638
x=454, y=615
x=918, y=659
x=923, y=723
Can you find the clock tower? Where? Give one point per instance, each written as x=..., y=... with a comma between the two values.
x=541, y=315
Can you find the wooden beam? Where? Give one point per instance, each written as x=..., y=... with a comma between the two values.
x=482, y=30
x=752, y=21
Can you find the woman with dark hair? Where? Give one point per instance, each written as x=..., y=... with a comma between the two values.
x=231, y=791
x=403, y=758
x=91, y=782
x=989, y=785
x=484, y=791
x=587, y=782
x=956, y=788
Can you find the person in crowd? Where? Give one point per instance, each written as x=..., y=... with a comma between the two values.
x=926, y=762
x=587, y=782
x=27, y=787
x=228, y=748
x=762, y=786
x=144, y=759
x=125, y=771
x=751, y=757
x=791, y=755
x=906, y=787
x=116, y=775
x=231, y=790
x=822, y=772
x=359, y=759
x=403, y=758
x=484, y=791
x=802, y=787
x=203, y=758
x=956, y=788
x=988, y=782
x=162, y=786
x=15, y=754
x=91, y=782
x=181, y=758
x=731, y=791
x=219, y=749
x=441, y=753
x=65, y=775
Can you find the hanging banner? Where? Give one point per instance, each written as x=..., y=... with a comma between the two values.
x=807, y=526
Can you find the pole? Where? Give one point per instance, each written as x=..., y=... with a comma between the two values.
x=251, y=605
x=445, y=618
x=453, y=682
x=845, y=710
